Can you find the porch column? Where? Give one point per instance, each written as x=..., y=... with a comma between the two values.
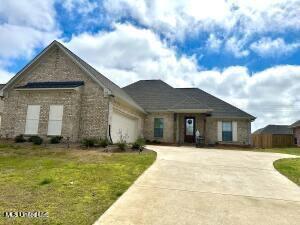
x=204, y=130
x=177, y=141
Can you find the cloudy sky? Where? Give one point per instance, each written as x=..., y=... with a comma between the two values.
x=244, y=51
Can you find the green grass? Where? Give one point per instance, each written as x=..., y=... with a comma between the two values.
x=290, y=168
x=291, y=151
x=73, y=186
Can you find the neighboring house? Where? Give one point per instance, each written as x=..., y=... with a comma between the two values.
x=296, y=130
x=273, y=136
x=58, y=93
x=1, y=105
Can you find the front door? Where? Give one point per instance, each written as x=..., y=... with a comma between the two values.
x=189, y=131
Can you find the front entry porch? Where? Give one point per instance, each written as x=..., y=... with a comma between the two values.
x=186, y=126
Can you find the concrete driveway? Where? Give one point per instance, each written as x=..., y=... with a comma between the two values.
x=189, y=186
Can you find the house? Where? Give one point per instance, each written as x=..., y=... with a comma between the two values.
x=273, y=136
x=1, y=105
x=296, y=131
x=58, y=93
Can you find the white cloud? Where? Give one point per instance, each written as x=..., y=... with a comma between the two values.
x=273, y=47
x=213, y=43
x=238, y=19
x=5, y=76
x=81, y=6
x=128, y=54
x=131, y=50
x=236, y=47
x=25, y=26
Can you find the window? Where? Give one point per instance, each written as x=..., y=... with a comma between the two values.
x=158, y=127
x=32, y=120
x=226, y=131
x=55, y=120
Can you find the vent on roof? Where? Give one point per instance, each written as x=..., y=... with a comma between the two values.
x=52, y=84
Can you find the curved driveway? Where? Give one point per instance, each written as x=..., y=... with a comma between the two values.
x=190, y=186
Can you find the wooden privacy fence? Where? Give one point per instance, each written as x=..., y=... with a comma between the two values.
x=272, y=140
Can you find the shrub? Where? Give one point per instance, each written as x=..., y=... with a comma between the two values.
x=20, y=139
x=89, y=142
x=56, y=139
x=122, y=145
x=36, y=140
x=139, y=144
x=103, y=142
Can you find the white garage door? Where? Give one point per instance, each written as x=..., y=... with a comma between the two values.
x=125, y=125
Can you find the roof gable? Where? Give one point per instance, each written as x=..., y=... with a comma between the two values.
x=108, y=86
x=296, y=124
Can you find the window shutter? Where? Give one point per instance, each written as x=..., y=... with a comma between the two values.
x=55, y=119
x=234, y=131
x=32, y=119
x=219, y=129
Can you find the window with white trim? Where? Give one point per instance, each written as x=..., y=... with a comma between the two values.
x=227, y=131
x=55, y=120
x=32, y=119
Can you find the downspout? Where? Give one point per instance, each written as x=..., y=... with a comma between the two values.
x=109, y=119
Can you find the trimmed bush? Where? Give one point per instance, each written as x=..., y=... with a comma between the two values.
x=122, y=145
x=56, y=139
x=103, y=143
x=20, y=139
x=139, y=144
x=89, y=142
x=36, y=140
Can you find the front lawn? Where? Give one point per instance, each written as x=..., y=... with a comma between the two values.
x=290, y=168
x=73, y=186
x=291, y=151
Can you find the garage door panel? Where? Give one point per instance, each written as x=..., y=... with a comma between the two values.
x=125, y=125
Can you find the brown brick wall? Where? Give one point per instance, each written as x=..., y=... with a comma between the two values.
x=168, y=135
x=297, y=135
x=85, y=112
x=243, y=130
x=211, y=135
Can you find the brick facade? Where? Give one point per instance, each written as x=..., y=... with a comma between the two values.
x=88, y=109
x=297, y=135
x=243, y=130
x=85, y=110
x=206, y=125
x=168, y=134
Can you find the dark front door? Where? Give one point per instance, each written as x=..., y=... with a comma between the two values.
x=189, y=131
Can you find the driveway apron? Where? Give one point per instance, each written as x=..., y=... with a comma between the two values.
x=190, y=186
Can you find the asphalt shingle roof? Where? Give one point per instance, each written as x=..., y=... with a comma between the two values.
x=275, y=129
x=52, y=84
x=156, y=95
x=1, y=86
x=296, y=124
x=220, y=108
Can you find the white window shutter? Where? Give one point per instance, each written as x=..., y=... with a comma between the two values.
x=219, y=130
x=234, y=131
x=55, y=120
x=32, y=120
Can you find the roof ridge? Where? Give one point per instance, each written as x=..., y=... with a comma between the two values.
x=190, y=97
